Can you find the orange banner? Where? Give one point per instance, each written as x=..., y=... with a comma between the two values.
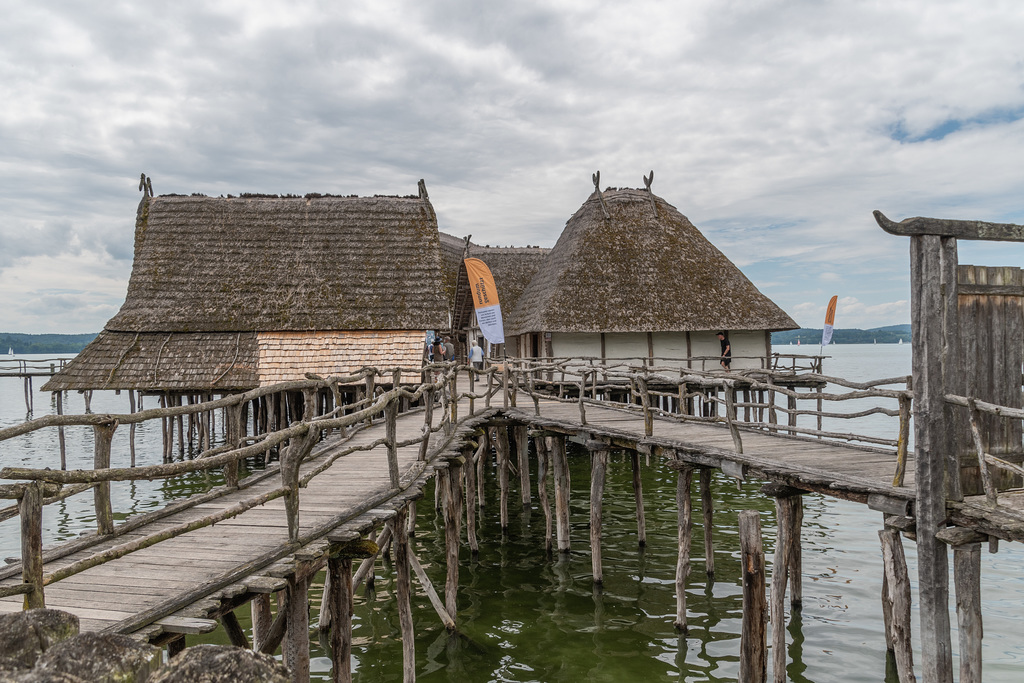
x=830, y=312
x=481, y=283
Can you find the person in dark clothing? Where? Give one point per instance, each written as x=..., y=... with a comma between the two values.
x=726, y=360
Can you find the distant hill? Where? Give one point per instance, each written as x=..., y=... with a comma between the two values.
x=43, y=343
x=891, y=334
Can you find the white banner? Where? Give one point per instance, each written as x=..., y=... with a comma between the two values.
x=490, y=323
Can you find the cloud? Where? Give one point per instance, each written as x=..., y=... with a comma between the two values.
x=776, y=126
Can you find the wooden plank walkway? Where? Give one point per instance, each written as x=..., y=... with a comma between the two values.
x=105, y=595
x=112, y=594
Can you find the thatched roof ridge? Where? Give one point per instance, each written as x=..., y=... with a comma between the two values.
x=639, y=270
x=205, y=264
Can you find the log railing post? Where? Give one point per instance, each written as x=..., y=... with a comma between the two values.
x=371, y=379
x=391, y=437
x=967, y=580
x=598, y=468
x=561, y=471
x=684, y=528
x=730, y=418
x=234, y=420
x=472, y=390
x=901, y=444
x=30, y=508
x=645, y=402
x=59, y=395
x=583, y=386
x=102, y=436
x=896, y=596
x=428, y=420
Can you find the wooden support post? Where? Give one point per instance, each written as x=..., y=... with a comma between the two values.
x=403, y=591
x=561, y=471
x=339, y=572
x=707, y=511
x=753, y=651
x=638, y=495
x=645, y=402
x=236, y=634
x=59, y=395
x=543, y=467
x=370, y=380
x=967, y=580
x=102, y=436
x=181, y=428
x=428, y=588
x=30, y=508
x=261, y=620
x=772, y=414
x=791, y=418
x=233, y=414
x=598, y=468
x=785, y=503
x=291, y=461
x=897, y=582
x=937, y=470
x=472, y=390
x=730, y=418
x=684, y=527
x=452, y=536
x=470, y=474
x=504, y=384
x=523, y=451
x=796, y=553
x=131, y=431
x=296, y=643
x=482, y=454
x=501, y=449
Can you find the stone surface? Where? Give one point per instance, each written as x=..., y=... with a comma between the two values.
x=36, y=676
x=222, y=664
x=25, y=636
x=102, y=658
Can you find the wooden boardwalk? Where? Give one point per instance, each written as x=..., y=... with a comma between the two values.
x=226, y=565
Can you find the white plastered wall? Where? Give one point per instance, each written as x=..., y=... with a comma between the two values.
x=748, y=349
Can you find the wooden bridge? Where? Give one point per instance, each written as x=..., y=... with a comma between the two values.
x=355, y=472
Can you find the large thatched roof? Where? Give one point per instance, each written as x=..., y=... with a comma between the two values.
x=644, y=268
x=218, y=283
x=205, y=264
x=512, y=268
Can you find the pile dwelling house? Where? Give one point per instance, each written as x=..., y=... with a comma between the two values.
x=228, y=294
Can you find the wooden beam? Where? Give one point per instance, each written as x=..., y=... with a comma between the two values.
x=944, y=227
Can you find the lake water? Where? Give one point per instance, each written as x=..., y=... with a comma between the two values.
x=525, y=616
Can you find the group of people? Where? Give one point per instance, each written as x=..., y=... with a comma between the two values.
x=442, y=350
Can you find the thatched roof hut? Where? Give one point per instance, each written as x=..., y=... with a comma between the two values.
x=231, y=293
x=632, y=277
x=645, y=267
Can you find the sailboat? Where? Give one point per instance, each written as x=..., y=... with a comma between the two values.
x=10, y=351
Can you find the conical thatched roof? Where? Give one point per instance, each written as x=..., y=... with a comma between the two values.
x=205, y=264
x=644, y=268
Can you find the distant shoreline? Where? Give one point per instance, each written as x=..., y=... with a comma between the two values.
x=44, y=343
x=892, y=334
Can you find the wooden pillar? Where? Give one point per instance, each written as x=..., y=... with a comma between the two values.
x=102, y=435
x=967, y=580
x=638, y=495
x=707, y=511
x=501, y=449
x=30, y=509
x=60, y=433
x=937, y=470
x=561, y=471
x=598, y=468
x=403, y=592
x=482, y=454
x=684, y=526
x=896, y=594
x=234, y=630
x=452, y=536
x=787, y=500
x=523, y=450
x=469, y=470
x=261, y=620
x=296, y=643
x=339, y=573
x=543, y=467
x=753, y=652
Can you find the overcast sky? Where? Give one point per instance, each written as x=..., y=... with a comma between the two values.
x=775, y=126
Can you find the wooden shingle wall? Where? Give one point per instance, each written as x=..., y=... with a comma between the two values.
x=285, y=356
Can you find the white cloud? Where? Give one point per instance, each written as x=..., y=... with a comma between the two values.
x=776, y=126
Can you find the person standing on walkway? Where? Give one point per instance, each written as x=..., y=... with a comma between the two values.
x=726, y=359
x=449, y=349
x=476, y=356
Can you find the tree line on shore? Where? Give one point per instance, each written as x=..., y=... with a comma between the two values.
x=43, y=343
x=892, y=334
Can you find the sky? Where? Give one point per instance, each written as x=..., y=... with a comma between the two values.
x=775, y=126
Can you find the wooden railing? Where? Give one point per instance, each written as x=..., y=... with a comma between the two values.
x=743, y=400
x=296, y=443
x=19, y=367
x=976, y=408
